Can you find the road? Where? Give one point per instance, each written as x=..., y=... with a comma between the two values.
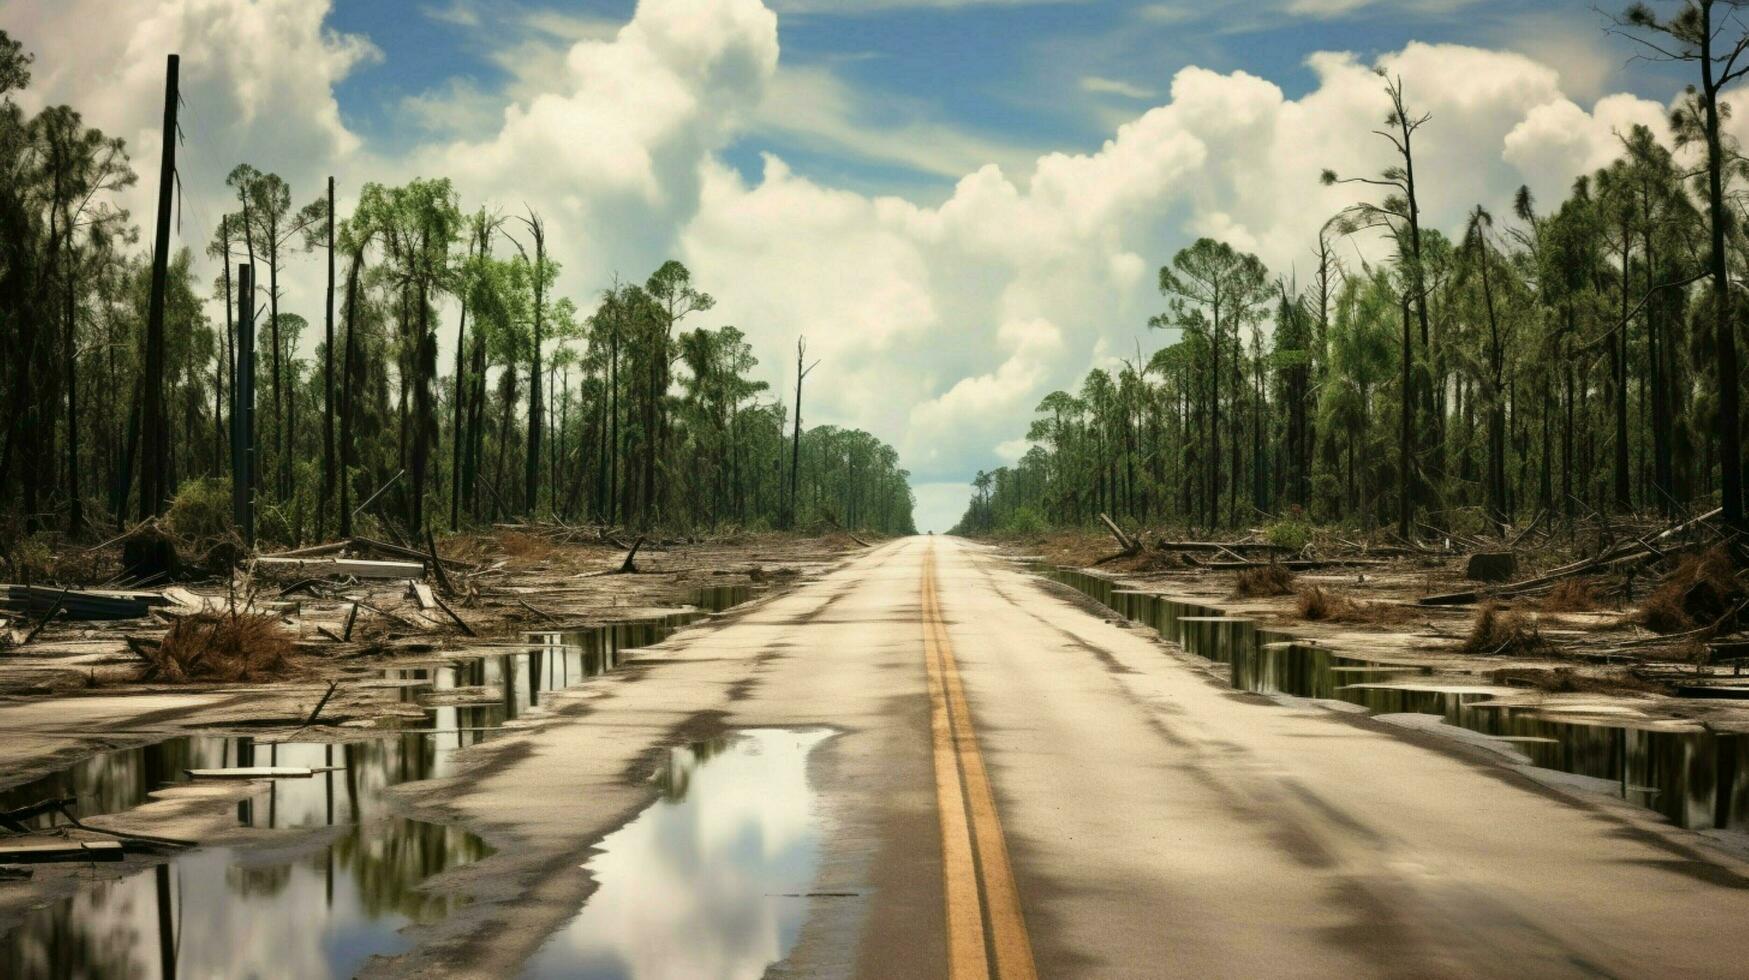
x=1017, y=786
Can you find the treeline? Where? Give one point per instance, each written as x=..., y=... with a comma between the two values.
x=635, y=414
x=1578, y=359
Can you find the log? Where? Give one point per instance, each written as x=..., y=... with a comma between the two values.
x=630, y=564
x=1129, y=545
x=45, y=852
x=1297, y=564
x=341, y=567
x=259, y=772
x=461, y=623
x=81, y=603
x=1240, y=546
x=14, y=819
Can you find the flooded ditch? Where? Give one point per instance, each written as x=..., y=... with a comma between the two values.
x=322, y=910
x=1696, y=779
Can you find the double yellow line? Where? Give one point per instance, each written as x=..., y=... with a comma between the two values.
x=986, y=933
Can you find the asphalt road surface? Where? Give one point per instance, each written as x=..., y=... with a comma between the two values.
x=1015, y=786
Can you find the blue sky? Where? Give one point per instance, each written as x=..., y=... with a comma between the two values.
x=1005, y=71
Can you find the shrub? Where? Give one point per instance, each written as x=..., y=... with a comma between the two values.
x=224, y=646
x=1701, y=589
x=1289, y=533
x=201, y=510
x=1322, y=605
x=1503, y=631
x=1025, y=522
x=1571, y=595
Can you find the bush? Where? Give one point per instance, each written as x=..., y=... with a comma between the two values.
x=1025, y=522
x=1502, y=631
x=1571, y=595
x=1320, y=605
x=1290, y=533
x=201, y=510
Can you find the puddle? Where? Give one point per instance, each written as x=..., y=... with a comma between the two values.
x=711, y=879
x=223, y=913
x=1698, y=780
x=235, y=912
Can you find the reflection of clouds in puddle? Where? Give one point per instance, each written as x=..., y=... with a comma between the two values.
x=696, y=886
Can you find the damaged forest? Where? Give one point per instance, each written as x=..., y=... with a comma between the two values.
x=1518, y=439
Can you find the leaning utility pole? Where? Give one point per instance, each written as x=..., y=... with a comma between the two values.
x=243, y=411
x=155, y=459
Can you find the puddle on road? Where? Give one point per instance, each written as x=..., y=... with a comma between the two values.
x=1697, y=780
x=711, y=880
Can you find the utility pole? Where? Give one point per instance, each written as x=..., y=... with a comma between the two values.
x=154, y=461
x=243, y=412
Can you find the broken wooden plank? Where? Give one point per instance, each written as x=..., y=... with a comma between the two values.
x=340, y=567
x=81, y=603
x=45, y=852
x=260, y=772
x=423, y=595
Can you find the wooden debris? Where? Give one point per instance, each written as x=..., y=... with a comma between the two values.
x=630, y=565
x=81, y=603
x=1625, y=553
x=45, y=852
x=1129, y=545
x=341, y=567
x=461, y=623
x=332, y=687
x=259, y=772
x=14, y=819
x=423, y=595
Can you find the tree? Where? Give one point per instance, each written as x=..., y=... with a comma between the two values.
x=1709, y=35
x=1210, y=279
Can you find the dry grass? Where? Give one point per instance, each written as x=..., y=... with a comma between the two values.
x=1319, y=604
x=1566, y=680
x=221, y=647
x=1264, y=580
x=1504, y=632
x=530, y=546
x=1572, y=595
x=1701, y=589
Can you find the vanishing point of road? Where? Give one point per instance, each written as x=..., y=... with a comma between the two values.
x=1021, y=787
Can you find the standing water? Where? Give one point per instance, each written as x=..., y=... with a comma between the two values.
x=1697, y=779
x=712, y=879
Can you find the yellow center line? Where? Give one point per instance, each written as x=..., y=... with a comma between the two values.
x=986, y=932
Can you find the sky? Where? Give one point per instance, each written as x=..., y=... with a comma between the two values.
x=962, y=204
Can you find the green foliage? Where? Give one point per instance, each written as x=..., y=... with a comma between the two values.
x=201, y=509
x=1290, y=533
